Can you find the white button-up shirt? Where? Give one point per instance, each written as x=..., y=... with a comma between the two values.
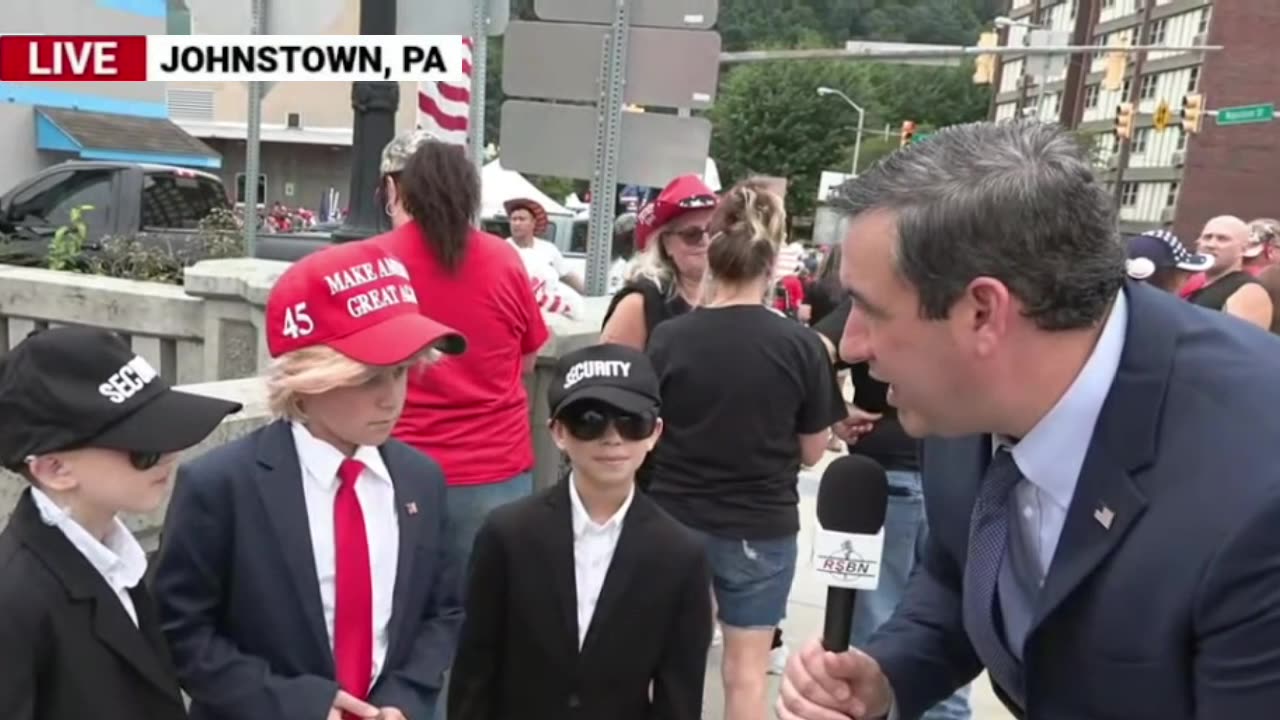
x=320, y=461
x=593, y=546
x=118, y=558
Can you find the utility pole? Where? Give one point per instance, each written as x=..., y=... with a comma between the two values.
x=1135, y=97
x=253, y=144
x=373, y=106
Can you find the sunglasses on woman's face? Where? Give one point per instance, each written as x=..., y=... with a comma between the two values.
x=145, y=461
x=592, y=422
x=692, y=235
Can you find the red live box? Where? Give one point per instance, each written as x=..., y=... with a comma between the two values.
x=73, y=58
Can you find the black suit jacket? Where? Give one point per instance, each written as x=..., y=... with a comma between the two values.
x=240, y=603
x=518, y=656
x=1162, y=601
x=68, y=648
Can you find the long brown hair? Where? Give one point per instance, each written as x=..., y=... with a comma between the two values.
x=440, y=188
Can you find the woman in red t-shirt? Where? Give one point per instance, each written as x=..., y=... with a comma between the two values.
x=470, y=413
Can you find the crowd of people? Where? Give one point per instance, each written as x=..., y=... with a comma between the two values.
x=378, y=550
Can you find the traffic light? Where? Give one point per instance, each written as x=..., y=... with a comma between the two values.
x=984, y=67
x=908, y=132
x=1192, y=112
x=1124, y=120
x=1160, y=120
x=1113, y=75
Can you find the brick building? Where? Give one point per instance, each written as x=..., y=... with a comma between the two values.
x=1166, y=178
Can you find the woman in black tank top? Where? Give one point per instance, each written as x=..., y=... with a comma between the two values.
x=671, y=244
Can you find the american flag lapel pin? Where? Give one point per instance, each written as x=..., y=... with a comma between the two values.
x=1104, y=515
x=411, y=508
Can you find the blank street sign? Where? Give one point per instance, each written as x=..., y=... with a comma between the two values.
x=447, y=17
x=559, y=140
x=689, y=14
x=665, y=68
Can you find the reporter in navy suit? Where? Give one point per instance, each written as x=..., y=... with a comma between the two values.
x=303, y=571
x=1101, y=477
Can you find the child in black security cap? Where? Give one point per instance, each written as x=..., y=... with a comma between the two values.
x=95, y=431
x=589, y=588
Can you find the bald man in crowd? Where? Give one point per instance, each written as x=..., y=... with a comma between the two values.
x=1228, y=287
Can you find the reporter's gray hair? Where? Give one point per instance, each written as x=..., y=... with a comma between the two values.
x=1016, y=201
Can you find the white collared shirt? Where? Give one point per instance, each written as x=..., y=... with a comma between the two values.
x=119, y=559
x=1052, y=453
x=320, y=461
x=593, y=547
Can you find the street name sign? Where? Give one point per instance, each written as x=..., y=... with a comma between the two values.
x=548, y=139
x=1246, y=114
x=690, y=14
x=665, y=68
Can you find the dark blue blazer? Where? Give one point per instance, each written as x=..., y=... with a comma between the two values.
x=239, y=601
x=1173, y=612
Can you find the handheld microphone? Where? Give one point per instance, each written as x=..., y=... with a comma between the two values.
x=853, y=497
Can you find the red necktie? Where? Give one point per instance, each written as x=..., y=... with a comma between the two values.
x=353, y=604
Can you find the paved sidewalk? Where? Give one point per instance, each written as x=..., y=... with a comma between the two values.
x=804, y=617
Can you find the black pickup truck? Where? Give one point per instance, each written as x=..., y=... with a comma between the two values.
x=157, y=204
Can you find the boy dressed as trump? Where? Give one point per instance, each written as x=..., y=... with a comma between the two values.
x=303, y=572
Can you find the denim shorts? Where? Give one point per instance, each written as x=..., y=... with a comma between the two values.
x=751, y=579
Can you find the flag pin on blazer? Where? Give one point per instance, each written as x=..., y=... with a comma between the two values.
x=411, y=508
x=1104, y=515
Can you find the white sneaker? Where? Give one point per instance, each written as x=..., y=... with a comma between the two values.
x=778, y=660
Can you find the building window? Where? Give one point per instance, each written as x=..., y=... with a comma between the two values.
x=1172, y=198
x=1193, y=79
x=262, y=188
x=1108, y=4
x=1126, y=90
x=1091, y=96
x=1159, y=29
x=1181, y=144
x=1147, y=90
x=1205, y=14
x=1140, y=140
x=1129, y=194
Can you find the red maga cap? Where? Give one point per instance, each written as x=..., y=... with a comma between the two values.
x=358, y=300
x=680, y=196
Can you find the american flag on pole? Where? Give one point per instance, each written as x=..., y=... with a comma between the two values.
x=444, y=108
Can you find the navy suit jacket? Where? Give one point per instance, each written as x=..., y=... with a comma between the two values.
x=239, y=601
x=1173, y=611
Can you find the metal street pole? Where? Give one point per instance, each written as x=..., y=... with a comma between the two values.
x=373, y=106
x=857, y=144
x=604, y=180
x=479, y=74
x=252, y=143
x=1125, y=146
x=862, y=117
x=727, y=58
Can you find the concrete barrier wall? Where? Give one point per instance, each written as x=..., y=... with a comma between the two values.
x=197, y=338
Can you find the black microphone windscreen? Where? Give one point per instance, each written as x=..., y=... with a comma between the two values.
x=853, y=496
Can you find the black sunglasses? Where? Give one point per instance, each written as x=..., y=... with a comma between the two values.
x=592, y=422
x=145, y=461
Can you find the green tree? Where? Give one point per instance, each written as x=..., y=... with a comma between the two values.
x=768, y=118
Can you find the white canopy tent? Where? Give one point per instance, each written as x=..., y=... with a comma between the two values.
x=498, y=185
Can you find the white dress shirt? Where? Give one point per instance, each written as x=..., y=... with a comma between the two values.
x=320, y=461
x=593, y=546
x=1052, y=453
x=119, y=559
